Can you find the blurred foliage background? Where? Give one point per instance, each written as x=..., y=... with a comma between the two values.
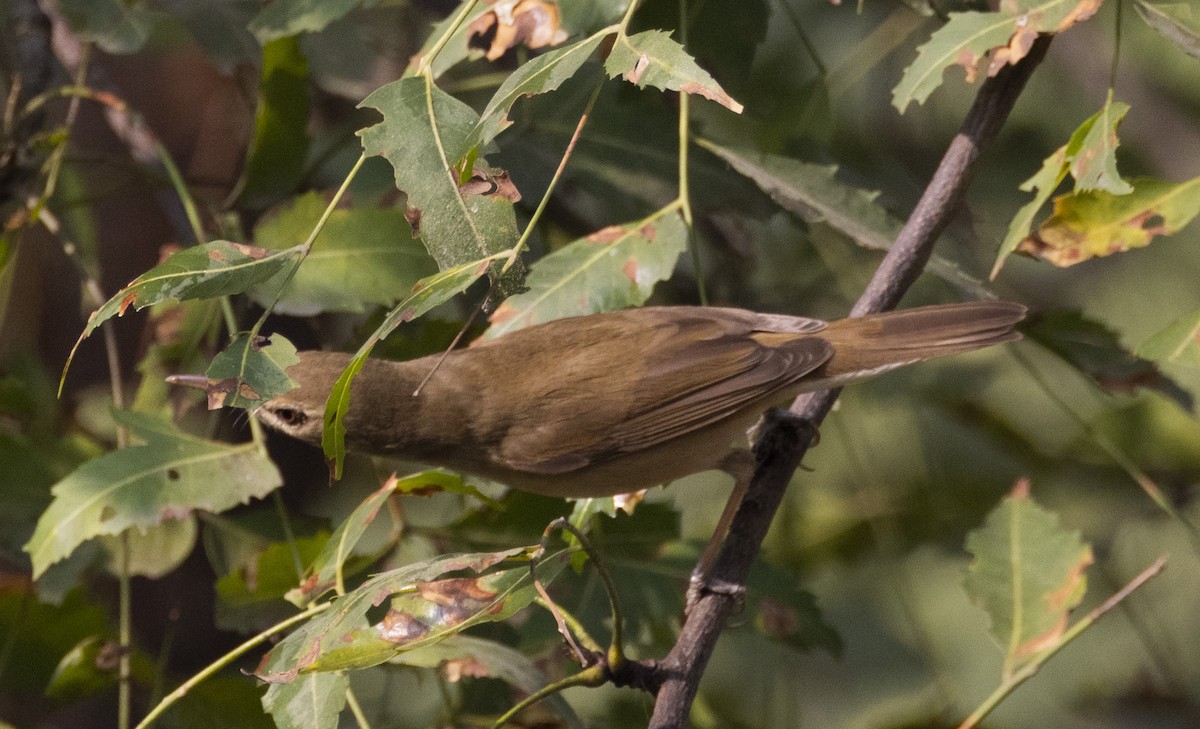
x=871, y=538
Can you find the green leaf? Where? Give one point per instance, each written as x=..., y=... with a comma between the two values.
x=1096, y=350
x=322, y=575
x=253, y=596
x=214, y=269
x=1097, y=223
x=363, y=257
x=425, y=133
x=1178, y=342
x=275, y=162
x=1028, y=575
x=290, y=17
x=814, y=193
x=613, y=268
x=114, y=26
x=541, y=75
x=312, y=701
x=1089, y=155
x=246, y=374
x=478, y=657
x=167, y=478
x=220, y=29
x=1177, y=22
x=652, y=58
x=423, y=610
x=967, y=37
x=80, y=674
x=1093, y=157
x=426, y=294
x=155, y=551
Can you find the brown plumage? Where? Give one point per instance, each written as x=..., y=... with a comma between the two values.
x=615, y=402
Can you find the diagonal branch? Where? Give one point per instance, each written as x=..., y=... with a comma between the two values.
x=785, y=440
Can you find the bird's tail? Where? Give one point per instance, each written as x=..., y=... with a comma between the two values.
x=879, y=342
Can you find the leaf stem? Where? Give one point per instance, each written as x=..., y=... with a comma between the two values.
x=424, y=68
x=685, y=198
x=356, y=709
x=225, y=660
x=519, y=247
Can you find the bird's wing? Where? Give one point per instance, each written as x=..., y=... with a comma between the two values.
x=698, y=370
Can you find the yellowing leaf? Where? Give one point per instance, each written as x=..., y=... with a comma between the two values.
x=1004, y=36
x=1028, y=574
x=1089, y=155
x=1097, y=223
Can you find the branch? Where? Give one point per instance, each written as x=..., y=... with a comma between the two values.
x=785, y=439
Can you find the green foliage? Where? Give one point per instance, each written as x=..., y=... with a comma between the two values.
x=408, y=599
x=167, y=478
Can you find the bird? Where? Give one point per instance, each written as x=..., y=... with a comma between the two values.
x=620, y=401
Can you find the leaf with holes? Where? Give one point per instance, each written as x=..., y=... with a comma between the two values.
x=1097, y=223
x=613, y=268
x=1004, y=36
x=652, y=58
x=461, y=215
x=167, y=477
x=1028, y=575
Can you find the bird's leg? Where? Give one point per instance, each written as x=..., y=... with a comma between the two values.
x=740, y=464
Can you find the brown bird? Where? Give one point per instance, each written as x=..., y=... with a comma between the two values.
x=616, y=402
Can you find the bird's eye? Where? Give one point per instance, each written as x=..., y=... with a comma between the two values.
x=290, y=416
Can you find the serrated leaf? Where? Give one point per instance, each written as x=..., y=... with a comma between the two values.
x=613, y=268
x=1006, y=35
x=1097, y=223
x=814, y=193
x=423, y=610
x=1178, y=342
x=168, y=477
x=425, y=133
x=1089, y=155
x=277, y=153
x=1027, y=574
x=426, y=294
x=290, y=17
x=363, y=257
x=246, y=374
x=220, y=268
x=1177, y=22
x=652, y=58
x=1096, y=350
x=541, y=75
